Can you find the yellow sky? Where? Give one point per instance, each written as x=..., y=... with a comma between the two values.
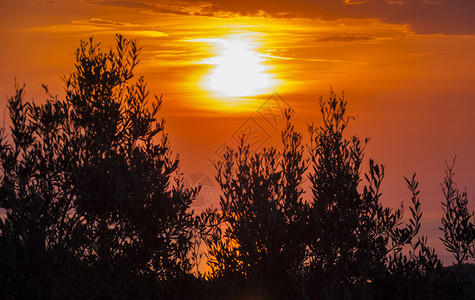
x=409, y=79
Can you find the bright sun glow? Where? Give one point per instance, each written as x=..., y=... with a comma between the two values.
x=239, y=70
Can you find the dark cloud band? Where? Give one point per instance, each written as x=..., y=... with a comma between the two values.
x=423, y=16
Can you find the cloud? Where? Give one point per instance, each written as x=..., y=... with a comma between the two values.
x=100, y=22
x=94, y=25
x=122, y=3
x=70, y=28
x=144, y=33
x=423, y=16
x=338, y=38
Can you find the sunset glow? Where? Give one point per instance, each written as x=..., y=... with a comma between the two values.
x=238, y=70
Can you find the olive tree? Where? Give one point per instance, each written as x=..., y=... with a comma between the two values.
x=95, y=206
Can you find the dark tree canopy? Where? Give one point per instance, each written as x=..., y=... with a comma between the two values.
x=354, y=240
x=264, y=213
x=340, y=243
x=87, y=182
x=458, y=225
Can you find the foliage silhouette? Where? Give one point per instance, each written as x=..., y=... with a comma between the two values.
x=342, y=243
x=354, y=242
x=458, y=224
x=262, y=247
x=86, y=182
x=34, y=234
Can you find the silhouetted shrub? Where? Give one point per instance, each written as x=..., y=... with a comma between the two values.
x=355, y=244
x=458, y=224
x=262, y=249
x=87, y=184
x=340, y=244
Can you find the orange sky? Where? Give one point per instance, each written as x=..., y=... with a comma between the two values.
x=407, y=69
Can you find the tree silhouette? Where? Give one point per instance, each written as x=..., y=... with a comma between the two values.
x=354, y=242
x=35, y=234
x=458, y=224
x=264, y=214
x=342, y=243
x=90, y=177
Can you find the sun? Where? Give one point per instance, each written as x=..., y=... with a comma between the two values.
x=239, y=70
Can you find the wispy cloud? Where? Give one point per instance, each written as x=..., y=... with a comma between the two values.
x=423, y=16
x=98, y=25
x=101, y=22
x=346, y=38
